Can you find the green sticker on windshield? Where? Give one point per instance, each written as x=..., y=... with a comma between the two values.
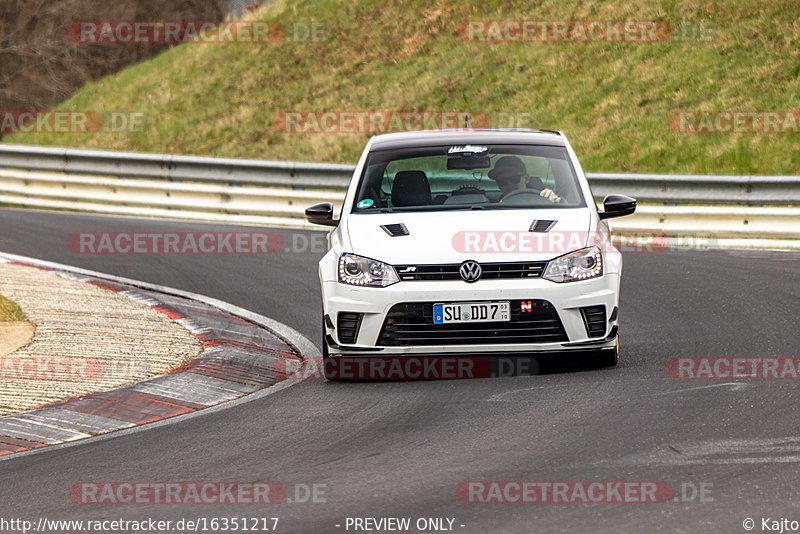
x=366, y=203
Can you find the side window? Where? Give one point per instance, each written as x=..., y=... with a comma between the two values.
x=541, y=168
x=564, y=183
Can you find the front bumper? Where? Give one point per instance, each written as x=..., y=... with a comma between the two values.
x=375, y=303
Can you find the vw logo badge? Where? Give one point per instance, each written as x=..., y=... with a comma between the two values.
x=470, y=271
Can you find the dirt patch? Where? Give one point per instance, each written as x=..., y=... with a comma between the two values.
x=15, y=335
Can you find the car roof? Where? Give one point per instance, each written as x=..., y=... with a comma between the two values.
x=489, y=136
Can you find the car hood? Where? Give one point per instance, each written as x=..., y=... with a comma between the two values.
x=455, y=236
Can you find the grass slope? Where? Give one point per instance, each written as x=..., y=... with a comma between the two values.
x=612, y=100
x=10, y=311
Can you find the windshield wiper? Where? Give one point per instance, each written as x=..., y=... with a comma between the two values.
x=438, y=208
x=451, y=207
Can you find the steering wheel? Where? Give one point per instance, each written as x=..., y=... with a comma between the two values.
x=467, y=190
x=525, y=196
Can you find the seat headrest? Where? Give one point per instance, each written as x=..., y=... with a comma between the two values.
x=411, y=188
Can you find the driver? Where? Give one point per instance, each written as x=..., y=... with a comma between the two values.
x=511, y=175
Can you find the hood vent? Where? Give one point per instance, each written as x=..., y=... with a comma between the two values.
x=541, y=226
x=395, y=230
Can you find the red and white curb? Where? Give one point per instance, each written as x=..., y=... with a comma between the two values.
x=242, y=352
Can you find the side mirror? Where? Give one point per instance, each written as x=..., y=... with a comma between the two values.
x=617, y=206
x=321, y=214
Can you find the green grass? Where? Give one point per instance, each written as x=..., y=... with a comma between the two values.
x=612, y=100
x=10, y=311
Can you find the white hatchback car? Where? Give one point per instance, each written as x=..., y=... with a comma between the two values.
x=464, y=242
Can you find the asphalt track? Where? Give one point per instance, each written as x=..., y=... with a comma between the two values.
x=400, y=449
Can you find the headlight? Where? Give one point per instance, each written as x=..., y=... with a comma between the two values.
x=579, y=265
x=358, y=271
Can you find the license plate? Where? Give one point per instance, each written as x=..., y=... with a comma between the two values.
x=471, y=312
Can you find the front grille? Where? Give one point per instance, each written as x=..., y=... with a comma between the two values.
x=411, y=323
x=347, y=325
x=491, y=271
x=594, y=318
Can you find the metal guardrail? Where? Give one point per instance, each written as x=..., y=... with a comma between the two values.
x=277, y=192
x=752, y=190
x=177, y=168
x=700, y=189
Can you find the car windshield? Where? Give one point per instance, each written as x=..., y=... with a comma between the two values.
x=468, y=176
